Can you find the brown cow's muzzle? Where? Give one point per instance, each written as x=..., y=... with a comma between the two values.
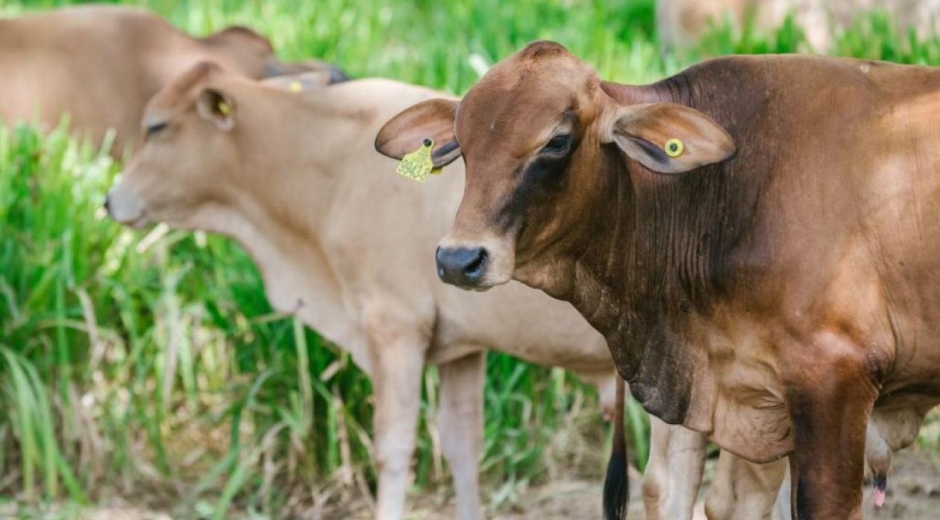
x=461, y=266
x=475, y=264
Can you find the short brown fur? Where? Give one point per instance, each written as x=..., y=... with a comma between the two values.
x=770, y=297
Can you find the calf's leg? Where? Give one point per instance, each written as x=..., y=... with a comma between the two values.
x=398, y=355
x=742, y=490
x=460, y=422
x=674, y=471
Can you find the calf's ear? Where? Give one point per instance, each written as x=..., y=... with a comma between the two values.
x=406, y=132
x=668, y=138
x=300, y=82
x=325, y=73
x=216, y=107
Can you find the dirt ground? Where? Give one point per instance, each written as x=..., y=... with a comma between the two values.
x=913, y=494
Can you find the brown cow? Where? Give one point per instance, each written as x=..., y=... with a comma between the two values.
x=756, y=238
x=100, y=65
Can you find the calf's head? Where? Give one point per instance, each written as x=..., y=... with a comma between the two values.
x=539, y=133
x=188, y=160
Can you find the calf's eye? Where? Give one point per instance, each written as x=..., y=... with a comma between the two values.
x=155, y=128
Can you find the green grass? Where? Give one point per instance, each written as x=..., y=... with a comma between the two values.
x=152, y=366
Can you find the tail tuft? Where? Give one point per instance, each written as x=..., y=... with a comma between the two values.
x=617, y=483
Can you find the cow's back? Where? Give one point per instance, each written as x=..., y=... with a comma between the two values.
x=89, y=62
x=846, y=148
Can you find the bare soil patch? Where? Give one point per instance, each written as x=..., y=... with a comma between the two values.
x=913, y=494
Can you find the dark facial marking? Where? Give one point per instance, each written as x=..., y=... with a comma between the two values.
x=557, y=146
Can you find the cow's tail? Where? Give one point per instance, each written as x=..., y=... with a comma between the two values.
x=617, y=483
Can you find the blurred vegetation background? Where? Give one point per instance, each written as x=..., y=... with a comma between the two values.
x=150, y=365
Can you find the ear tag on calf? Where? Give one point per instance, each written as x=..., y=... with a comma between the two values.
x=674, y=147
x=295, y=86
x=418, y=165
x=224, y=109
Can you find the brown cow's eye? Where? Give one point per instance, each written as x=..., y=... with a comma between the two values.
x=155, y=129
x=557, y=145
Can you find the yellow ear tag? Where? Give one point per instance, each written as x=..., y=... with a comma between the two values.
x=418, y=165
x=224, y=109
x=674, y=147
x=295, y=86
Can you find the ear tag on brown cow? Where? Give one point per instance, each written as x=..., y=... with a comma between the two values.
x=418, y=165
x=224, y=109
x=674, y=147
x=295, y=86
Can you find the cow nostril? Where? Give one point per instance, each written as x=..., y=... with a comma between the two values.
x=439, y=259
x=461, y=265
x=476, y=267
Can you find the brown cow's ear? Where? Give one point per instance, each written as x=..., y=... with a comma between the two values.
x=217, y=108
x=669, y=138
x=405, y=132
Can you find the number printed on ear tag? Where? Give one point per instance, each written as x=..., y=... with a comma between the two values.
x=418, y=165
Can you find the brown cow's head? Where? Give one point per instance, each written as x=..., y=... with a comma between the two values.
x=532, y=133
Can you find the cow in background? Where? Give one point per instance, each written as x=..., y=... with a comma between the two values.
x=681, y=23
x=101, y=64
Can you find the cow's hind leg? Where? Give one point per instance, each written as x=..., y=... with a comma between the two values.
x=398, y=355
x=830, y=395
x=460, y=421
x=744, y=491
x=674, y=472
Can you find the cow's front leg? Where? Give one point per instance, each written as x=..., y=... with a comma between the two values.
x=674, y=472
x=461, y=425
x=830, y=395
x=398, y=354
